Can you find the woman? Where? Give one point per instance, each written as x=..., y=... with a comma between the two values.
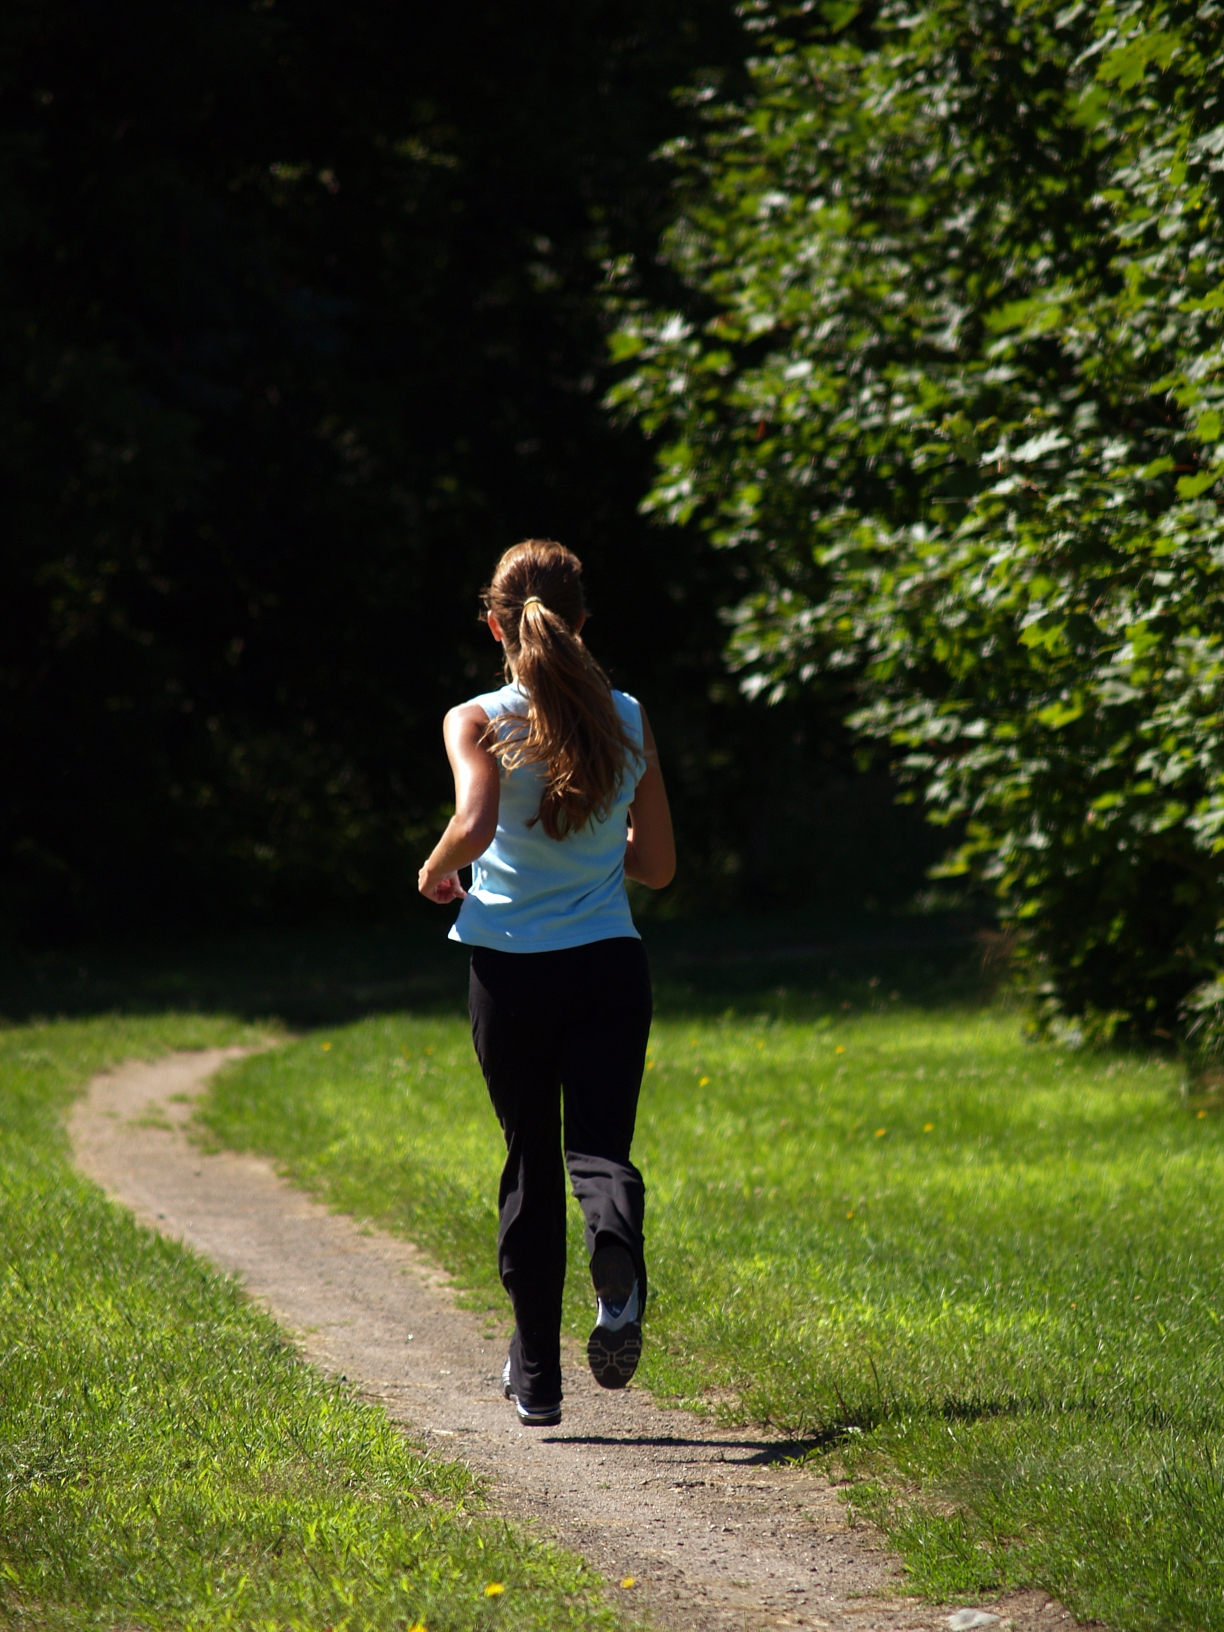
x=558, y=797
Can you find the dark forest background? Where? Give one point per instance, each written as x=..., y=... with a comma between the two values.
x=302, y=323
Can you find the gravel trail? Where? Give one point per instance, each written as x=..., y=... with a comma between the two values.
x=718, y=1533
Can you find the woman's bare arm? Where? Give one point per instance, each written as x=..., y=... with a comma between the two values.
x=470, y=831
x=650, y=853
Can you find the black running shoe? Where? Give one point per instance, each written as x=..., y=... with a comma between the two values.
x=531, y=1416
x=615, y=1346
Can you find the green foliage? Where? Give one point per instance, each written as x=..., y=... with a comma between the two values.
x=982, y=1276
x=948, y=378
x=166, y=1458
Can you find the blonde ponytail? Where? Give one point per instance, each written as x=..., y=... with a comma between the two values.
x=571, y=727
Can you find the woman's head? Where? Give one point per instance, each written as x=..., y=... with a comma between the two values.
x=537, y=570
x=534, y=605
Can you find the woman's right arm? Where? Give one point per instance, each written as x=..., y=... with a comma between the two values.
x=650, y=853
x=470, y=831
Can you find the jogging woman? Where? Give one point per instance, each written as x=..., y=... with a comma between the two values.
x=558, y=798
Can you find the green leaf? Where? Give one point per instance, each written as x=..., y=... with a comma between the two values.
x=625, y=344
x=1209, y=303
x=1045, y=635
x=1126, y=64
x=1035, y=316
x=1191, y=487
x=837, y=13
x=1058, y=714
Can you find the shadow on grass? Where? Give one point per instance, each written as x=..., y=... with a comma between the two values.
x=789, y=966
x=976, y=1409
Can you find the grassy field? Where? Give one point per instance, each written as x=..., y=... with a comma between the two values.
x=165, y=1459
x=983, y=1278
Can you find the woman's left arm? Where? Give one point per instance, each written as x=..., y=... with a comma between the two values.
x=650, y=853
x=470, y=831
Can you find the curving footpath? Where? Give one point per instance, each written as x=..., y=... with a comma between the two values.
x=717, y=1532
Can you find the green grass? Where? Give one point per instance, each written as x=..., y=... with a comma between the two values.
x=165, y=1458
x=984, y=1279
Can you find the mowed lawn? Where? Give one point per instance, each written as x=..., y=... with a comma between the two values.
x=984, y=1278
x=167, y=1461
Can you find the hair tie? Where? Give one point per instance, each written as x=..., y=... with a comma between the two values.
x=532, y=600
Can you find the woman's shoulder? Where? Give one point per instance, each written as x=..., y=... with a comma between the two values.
x=630, y=712
x=506, y=699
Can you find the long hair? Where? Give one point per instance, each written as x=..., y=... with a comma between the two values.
x=571, y=727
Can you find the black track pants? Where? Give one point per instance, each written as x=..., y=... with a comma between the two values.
x=552, y=1029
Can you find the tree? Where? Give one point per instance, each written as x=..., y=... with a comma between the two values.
x=947, y=376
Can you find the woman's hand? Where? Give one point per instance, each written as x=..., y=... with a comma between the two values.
x=440, y=889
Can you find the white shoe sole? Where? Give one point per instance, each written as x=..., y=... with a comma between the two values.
x=530, y=1416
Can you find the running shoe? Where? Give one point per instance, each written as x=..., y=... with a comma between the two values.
x=615, y=1346
x=531, y=1416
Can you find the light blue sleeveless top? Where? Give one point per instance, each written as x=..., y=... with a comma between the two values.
x=531, y=893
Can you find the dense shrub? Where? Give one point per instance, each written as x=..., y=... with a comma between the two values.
x=947, y=380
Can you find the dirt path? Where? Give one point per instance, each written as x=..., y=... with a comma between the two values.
x=718, y=1532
